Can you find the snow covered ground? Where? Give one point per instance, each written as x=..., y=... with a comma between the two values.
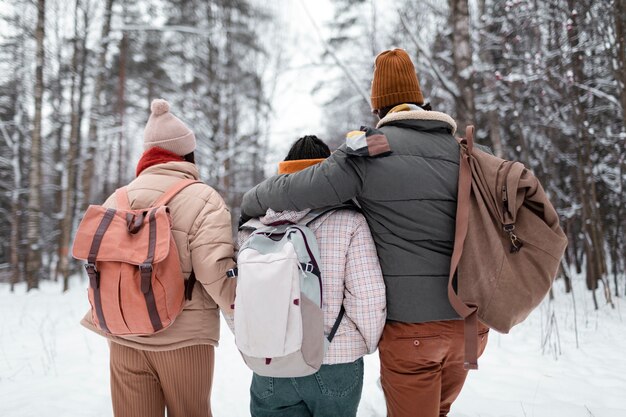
x=51, y=366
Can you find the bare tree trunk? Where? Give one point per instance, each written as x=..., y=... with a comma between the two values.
x=493, y=118
x=229, y=126
x=33, y=273
x=462, y=58
x=77, y=93
x=57, y=97
x=121, y=106
x=14, y=144
x=373, y=29
x=592, y=221
x=620, y=35
x=615, y=255
x=96, y=107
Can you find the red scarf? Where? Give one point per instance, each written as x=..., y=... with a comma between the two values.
x=154, y=156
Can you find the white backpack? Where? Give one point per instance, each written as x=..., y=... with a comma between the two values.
x=279, y=324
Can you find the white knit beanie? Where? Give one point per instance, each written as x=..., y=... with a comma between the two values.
x=167, y=131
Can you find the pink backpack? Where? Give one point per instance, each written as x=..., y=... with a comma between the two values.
x=136, y=284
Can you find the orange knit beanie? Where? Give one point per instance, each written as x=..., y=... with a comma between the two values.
x=395, y=81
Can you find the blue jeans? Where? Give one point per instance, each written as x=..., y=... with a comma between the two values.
x=334, y=390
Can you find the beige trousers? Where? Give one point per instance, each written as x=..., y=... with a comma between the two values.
x=145, y=383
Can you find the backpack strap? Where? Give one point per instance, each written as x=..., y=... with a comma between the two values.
x=467, y=312
x=333, y=331
x=146, y=271
x=189, y=284
x=90, y=266
x=122, y=202
x=173, y=190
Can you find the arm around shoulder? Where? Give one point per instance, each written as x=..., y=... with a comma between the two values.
x=334, y=181
x=212, y=251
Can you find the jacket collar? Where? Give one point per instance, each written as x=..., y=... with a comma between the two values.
x=418, y=115
x=180, y=169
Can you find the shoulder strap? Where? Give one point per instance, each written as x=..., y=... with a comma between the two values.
x=189, y=284
x=468, y=139
x=173, y=190
x=467, y=312
x=122, y=202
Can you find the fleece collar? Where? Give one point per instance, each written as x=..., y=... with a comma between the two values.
x=408, y=113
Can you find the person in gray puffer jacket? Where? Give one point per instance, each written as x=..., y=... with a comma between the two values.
x=404, y=176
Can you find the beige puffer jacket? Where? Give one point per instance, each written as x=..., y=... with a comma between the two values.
x=201, y=226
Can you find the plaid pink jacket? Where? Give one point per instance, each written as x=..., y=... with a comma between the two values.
x=350, y=274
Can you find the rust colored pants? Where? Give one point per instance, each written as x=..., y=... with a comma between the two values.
x=421, y=366
x=144, y=383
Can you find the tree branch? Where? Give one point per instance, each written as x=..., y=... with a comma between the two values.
x=446, y=83
x=328, y=49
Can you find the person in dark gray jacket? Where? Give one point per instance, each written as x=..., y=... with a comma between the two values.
x=404, y=176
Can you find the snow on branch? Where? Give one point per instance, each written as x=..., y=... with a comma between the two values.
x=446, y=83
x=328, y=49
x=175, y=28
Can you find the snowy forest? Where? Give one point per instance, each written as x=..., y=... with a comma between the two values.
x=543, y=81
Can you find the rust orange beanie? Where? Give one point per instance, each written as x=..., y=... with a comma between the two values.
x=395, y=81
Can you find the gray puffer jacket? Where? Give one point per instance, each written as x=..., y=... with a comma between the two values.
x=408, y=198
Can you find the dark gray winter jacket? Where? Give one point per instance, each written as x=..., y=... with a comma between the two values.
x=408, y=198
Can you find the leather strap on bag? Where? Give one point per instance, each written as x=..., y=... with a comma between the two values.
x=92, y=271
x=134, y=222
x=146, y=268
x=467, y=312
x=146, y=271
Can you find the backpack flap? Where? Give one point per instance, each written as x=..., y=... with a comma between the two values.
x=279, y=323
x=119, y=243
x=267, y=272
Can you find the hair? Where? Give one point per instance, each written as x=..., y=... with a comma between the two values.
x=308, y=147
x=190, y=157
x=383, y=112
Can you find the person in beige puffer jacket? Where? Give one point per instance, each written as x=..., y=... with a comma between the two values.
x=173, y=369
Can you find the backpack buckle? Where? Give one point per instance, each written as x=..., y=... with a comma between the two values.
x=94, y=275
x=91, y=268
x=308, y=267
x=145, y=271
x=232, y=273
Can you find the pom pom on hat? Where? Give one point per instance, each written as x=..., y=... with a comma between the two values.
x=159, y=106
x=166, y=131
